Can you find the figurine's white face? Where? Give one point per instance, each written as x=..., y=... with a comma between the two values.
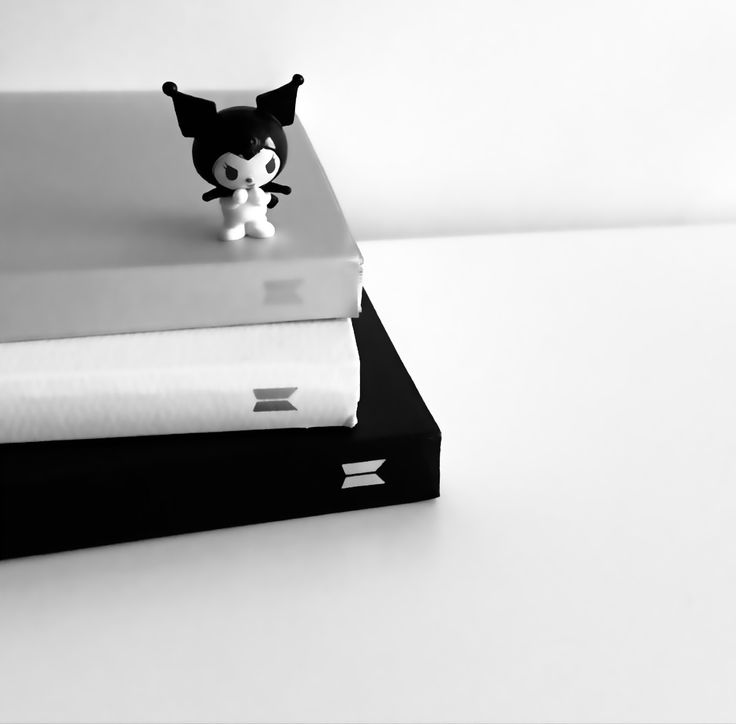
x=234, y=172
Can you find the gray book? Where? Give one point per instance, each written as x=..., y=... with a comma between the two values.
x=103, y=230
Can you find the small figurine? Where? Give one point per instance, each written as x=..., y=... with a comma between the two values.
x=240, y=151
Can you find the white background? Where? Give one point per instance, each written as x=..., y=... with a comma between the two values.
x=435, y=117
x=579, y=566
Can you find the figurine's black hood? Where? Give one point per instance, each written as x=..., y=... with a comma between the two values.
x=241, y=130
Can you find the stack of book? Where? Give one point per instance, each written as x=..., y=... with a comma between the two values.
x=155, y=381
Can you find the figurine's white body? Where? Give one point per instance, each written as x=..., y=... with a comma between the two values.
x=240, y=151
x=244, y=214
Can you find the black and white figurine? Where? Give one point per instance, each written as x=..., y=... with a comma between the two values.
x=240, y=151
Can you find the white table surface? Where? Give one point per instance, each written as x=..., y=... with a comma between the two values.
x=579, y=566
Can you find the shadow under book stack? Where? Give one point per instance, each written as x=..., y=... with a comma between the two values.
x=154, y=381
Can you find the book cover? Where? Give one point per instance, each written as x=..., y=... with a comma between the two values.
x=253, y=377
x=72, y=494
x=103, y=229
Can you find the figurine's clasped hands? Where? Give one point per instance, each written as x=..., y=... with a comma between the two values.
x=254, y=196
x=240, y=196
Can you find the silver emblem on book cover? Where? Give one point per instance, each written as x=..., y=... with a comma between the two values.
x=364, y=473
x=273, y=399
x=282, y=291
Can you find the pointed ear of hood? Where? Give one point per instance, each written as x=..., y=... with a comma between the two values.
x=281, y=102
x=195, y=115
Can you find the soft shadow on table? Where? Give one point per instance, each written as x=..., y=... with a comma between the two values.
x=307, y=547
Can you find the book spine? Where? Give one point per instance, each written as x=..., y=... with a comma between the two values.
x=130, y=300
x=60, y=496
x=111, y=398
x=317, y=396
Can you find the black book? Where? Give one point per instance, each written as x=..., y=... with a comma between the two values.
x=62, y=495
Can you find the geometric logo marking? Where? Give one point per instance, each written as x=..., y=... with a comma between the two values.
x=273, y=399
x=359, y=474
x=282, y=291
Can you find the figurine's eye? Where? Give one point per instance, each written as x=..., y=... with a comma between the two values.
x=271, y=165
x=231, y=173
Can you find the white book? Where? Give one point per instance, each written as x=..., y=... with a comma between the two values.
x=290, y=374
